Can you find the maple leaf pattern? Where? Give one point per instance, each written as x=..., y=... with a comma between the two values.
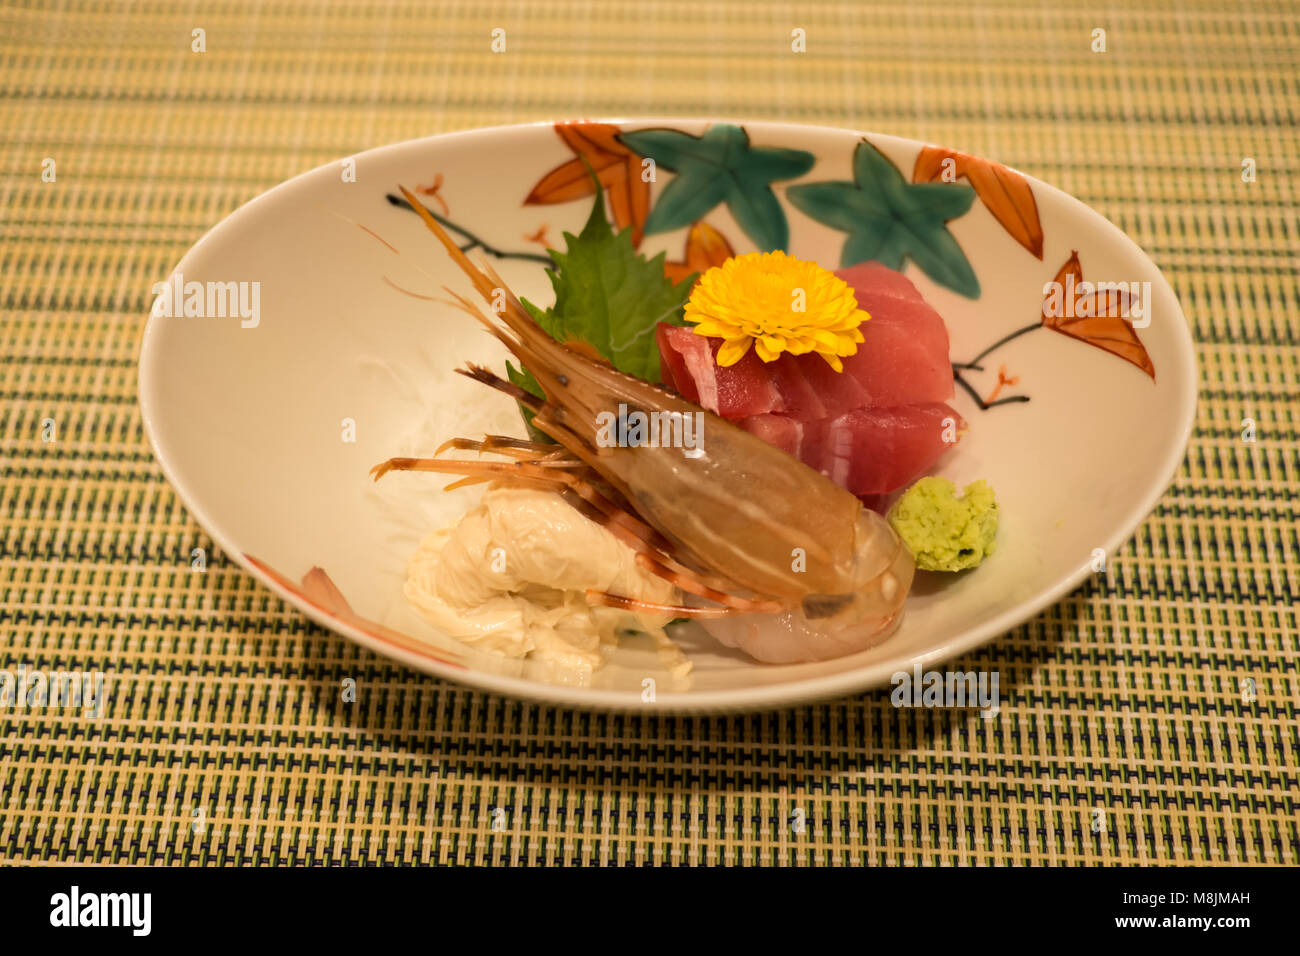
x=320, y=591
x=1098, y=320
x=608, y=297
x=720, y=166
x=705, y=248
x=1003, y=191
x=617, y=167
x=889, y=219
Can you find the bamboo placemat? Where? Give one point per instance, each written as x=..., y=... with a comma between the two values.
x=223, y=739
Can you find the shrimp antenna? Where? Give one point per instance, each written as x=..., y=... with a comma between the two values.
x=528, y=342
x=481, y=282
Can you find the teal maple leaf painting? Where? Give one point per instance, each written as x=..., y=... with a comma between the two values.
x=889, y=219
x=721, y=166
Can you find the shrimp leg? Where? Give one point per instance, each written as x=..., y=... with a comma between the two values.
x=605, y=599
x=549, y=456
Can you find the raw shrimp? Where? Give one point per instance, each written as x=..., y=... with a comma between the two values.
x=791, y=637
x=803, y=569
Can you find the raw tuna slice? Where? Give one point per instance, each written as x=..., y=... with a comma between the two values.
x=782, y=431
x=839, y=391
x=688, y=365
x=869, y=451
x=798, y=393
x=672, y=364
x=747, y=388
x=874, y=427
x=804, y=386
x=903, y=357
x=903, y=360
x=874, y=277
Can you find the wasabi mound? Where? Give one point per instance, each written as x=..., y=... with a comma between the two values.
x=944, y=531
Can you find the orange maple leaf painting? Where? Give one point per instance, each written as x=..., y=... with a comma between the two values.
x=1095, y=319
x=319, y=590
x=616, y=166
x=1004, y=191
x=705, y=248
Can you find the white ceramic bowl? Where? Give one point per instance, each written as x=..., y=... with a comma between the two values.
x=249, y=421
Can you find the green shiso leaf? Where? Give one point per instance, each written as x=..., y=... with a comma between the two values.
x=611, y=297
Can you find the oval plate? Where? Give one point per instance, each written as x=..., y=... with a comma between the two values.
x=298, y=344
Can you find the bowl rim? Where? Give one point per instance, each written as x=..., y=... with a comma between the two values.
x=764, y=697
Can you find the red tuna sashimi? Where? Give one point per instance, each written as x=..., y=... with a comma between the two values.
x=688, y=364
x=869, y=451
x=839, y=391
x=903, y=360
x=672, y=365
x=798, y=390
x=781, y=431
x=873, y=428
x=801, y=385
x=903, y=357
x=875, y=277
x=877, y=450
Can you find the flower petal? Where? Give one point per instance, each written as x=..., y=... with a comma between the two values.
x=717, y=330
x=750, y=301
x=733, y=350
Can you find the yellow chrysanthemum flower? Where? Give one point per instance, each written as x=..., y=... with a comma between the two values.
x=776, y=303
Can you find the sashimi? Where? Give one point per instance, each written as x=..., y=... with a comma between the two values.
x=839, y=391
x=798, y=390
x=876, y=277
x=869, y=451
x=748, y=387
x=872, y=428
x=672, y=364
x=688, y=365
x=874, y=451
x=903, y=357
x=781, y=431
x=902, y=360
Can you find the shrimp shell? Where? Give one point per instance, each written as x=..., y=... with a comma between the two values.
x=736, y=509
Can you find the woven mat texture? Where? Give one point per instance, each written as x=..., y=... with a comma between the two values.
x=1130, y=702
